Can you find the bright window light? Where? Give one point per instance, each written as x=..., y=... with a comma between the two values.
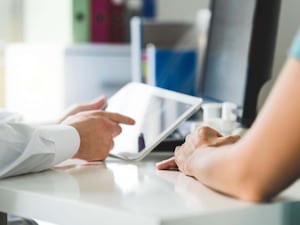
x=34, y=81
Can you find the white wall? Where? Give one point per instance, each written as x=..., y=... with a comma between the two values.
x=44, y=21
x=10, y=20
x=9, y=31
x=180, y=9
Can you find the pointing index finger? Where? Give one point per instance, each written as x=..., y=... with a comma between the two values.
x=119, y=118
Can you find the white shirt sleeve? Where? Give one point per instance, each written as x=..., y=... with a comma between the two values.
x=25, y=148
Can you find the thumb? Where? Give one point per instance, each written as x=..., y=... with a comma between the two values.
x=168, y=164
x=99, y=103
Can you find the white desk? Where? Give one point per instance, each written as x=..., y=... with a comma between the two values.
x=117, y=192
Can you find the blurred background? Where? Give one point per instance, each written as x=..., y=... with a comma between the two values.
x=52, y=57
x=49, y=59
x=53, y=52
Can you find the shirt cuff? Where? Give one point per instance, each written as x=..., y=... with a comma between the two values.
x=66, y=140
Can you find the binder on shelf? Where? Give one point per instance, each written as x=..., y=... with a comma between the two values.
x=107, y=21
x=149, y=8
x=163, y=34
x=117, y=34
x=100, y=20
x=172, y=69
x=81, y=20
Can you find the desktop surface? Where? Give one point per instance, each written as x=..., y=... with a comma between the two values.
x=118, y=192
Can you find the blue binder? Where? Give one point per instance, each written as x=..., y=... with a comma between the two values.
x=173, y=69
x=149, y=8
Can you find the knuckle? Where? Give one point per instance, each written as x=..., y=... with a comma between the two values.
x=103, y=122
x=234, y=138
x=188, y=137
x=177, y=148
x=203, y=130
x=79, y=106
x=205, y=127
x=231, y=138
x=112, y=144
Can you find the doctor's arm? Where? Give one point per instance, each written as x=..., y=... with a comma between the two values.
x=86, y=134
x=264, y=162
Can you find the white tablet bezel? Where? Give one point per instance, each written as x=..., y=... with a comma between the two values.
x=162, y=93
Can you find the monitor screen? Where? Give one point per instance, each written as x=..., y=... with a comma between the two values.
x=239, y=53
x=228, y=50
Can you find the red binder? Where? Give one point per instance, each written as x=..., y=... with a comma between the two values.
x=100, y=20
x=117, y=21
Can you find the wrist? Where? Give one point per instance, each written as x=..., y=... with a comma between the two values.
x=198, y=160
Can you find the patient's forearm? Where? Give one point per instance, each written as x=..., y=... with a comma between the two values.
x=223, y=171
x=237, y=171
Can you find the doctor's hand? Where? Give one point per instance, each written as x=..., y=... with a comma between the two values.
x=97, y=104
x=96, y=129
x=200, y=139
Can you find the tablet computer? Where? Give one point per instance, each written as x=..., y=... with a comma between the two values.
x=157, y=112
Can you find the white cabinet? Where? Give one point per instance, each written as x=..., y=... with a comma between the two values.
x=95, y=70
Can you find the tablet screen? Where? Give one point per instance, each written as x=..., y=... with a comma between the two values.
x=157, y=113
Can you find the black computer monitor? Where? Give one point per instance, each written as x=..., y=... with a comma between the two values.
x=239, y=52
